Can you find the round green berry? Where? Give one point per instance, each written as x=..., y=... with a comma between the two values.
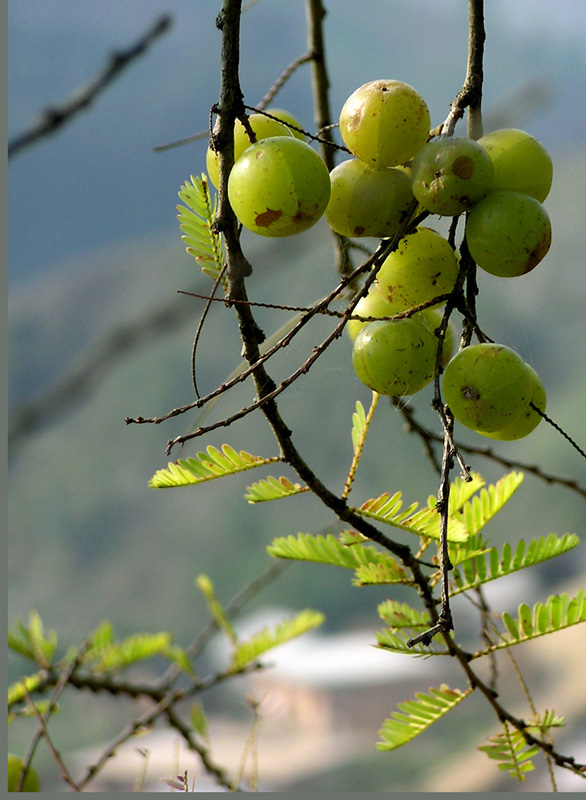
x=395, y=357
x=487, y=387
x=279, y=187
x=384, y=123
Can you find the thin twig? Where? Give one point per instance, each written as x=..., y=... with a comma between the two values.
x=513, y=463
x=470, y=95
x=186, y=731
x=282, y=79
x=315, y=14
x=559, y=429
x=60, y=685
x=56, y=117
x=42, y=732
x=242, y=303
x=74, y=387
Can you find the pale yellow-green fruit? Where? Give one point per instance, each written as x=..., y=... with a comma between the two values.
x=290, y=120
x=279, y=187
x=384, y=123
x=15, y=765
x=367, y=202
x=521, y=163
x=395, y=357
x=432, y=319
x=508, y=233
x=487, y=387
x=423, y=267
x=450, y=175
x=373, y=305
x=529, y=418
x=263, y=127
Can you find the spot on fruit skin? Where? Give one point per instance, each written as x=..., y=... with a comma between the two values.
x=463, y=167
x=470, y=393
x=267, y=217
x=536, y=255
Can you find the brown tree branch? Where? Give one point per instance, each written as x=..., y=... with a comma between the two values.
x=470, y=95
x=55, y=117
x=315, y=13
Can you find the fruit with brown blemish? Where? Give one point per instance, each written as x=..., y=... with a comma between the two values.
x=450, y=175
x=279, y=187
x=368, y=202
x=262, y=127
x=424, y=266
x=508, y=233
x=384, y=123
x=487, y=387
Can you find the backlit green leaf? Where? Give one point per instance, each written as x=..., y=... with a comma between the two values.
x=207, y=466
x=415, y=716
x=511, y=752
x=196, y=221
x=557, y=613
x=249, y=651
x=492, y=564
x=425, y=522
x=273, y=489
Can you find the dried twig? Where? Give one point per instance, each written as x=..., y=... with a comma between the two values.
x=56, y=117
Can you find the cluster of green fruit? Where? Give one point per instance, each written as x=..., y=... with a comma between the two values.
x=280, y=186
x=501, y=181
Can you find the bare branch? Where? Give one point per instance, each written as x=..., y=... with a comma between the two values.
x=470, y=95
x=55, y=117
x=74, y=387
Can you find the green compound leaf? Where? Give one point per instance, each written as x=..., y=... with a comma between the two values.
x=138, y=647
x=195, y=220
x=249, y=651
x=199, y=720
x=384, y=569
x=481, y=568
x=273, y=489
x=512, y=752
x=401, y=615
x=102, y=637
x=17, y=692
x=415, y=716
x=395, y=640
x=206, y=587
x=542, y=724
x=557, y=613
x=425, y=522
x=461, y=491
x=206, y=467
x=328, y=550
x=480, y=509
x=32, y=642
x=465, y=551
x=106, y=654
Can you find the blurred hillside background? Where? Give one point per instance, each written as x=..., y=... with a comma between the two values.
x=95, y=263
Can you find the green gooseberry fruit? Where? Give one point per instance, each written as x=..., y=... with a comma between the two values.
x=15, y=765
